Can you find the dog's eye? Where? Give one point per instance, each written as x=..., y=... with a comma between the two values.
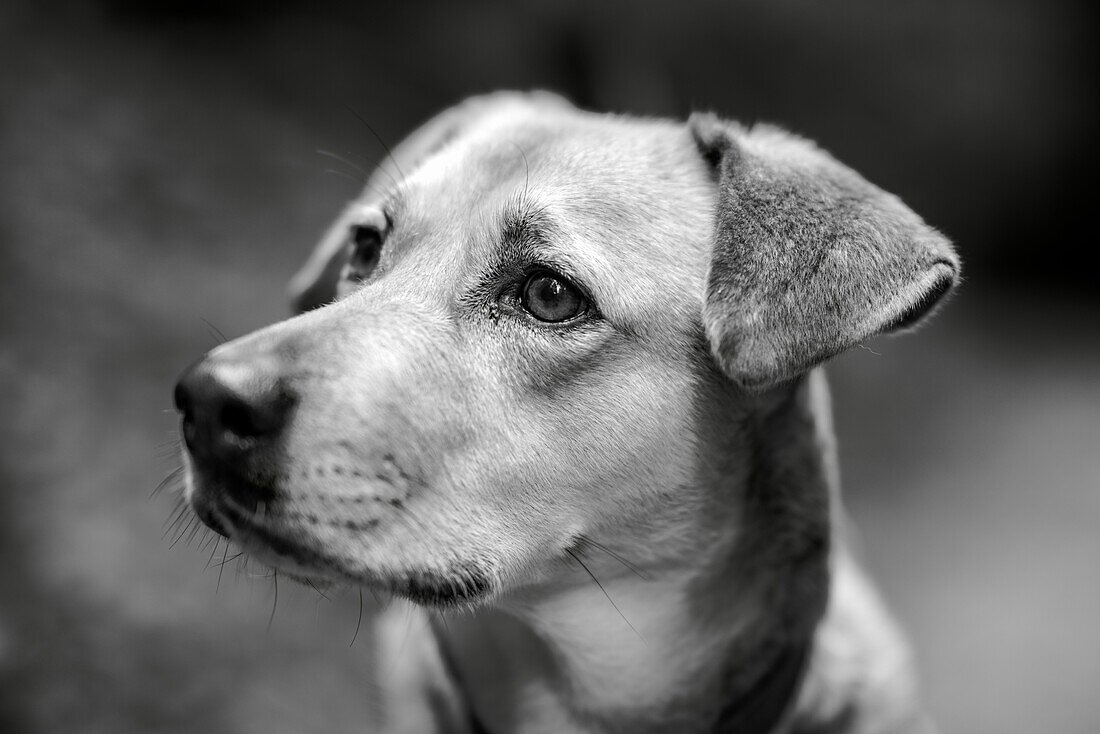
x=550, y=297
x=365, y=245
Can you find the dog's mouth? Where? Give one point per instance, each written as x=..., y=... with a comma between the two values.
x=256, y=527
x=252, y=530
x=225, y=498
x=273, y=534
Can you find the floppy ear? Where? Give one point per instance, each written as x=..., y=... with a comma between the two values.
x=314, y=284
x=809, y=258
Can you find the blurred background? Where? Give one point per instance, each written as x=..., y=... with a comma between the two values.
x=159, y=171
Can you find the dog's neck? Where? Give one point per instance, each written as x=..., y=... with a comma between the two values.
x=714, y=637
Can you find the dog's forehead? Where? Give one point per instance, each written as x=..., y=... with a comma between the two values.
x=592, y=167
x=630, y=201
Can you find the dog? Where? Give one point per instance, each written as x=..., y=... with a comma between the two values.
x=556, y=385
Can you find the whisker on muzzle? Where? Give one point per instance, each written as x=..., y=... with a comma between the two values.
x=275, y=601
x=215, y=332
x=602, y=589
x=585, y=541
x=389, y=153
x=179, y=514
x=359, y=620
x=174, y=477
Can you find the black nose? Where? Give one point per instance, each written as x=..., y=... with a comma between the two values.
x=230, y=408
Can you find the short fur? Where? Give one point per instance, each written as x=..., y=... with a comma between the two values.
x=634, y=517
x=810, y=257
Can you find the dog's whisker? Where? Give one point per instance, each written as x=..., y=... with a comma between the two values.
x=230, y=559
x=213, y=552
x=221, y=567
x=337, y=157
x=275, y=602
x=172, y=477
x=171, y=523
x=389, y=153
x=188, y=526
x=358, y=181
x=585, y=540
x=609, y=599
x=181, y=513
x=215, y=331
x=197, y=526
x=167, y=451
x=315, y=588
x=363, y=179
x=174, y=513
x=171, y=530
x=208, y=538
x=178, y=508
x=359, y=621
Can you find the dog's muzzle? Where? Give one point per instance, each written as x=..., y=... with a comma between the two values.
x=233, y=418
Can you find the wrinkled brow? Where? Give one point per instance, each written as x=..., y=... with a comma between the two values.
x=530, y=234
x=524, y=224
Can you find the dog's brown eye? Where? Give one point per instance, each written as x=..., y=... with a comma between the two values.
x=366, y=247
x=549, y=297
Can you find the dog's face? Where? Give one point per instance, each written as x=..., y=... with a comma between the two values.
x=512, y=361
x=521, y=354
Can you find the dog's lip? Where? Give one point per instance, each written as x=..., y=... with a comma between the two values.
x=292, y=557
x=206, y=509
x=242, y=521
x=310, y=564
x=218, y=508
x=256, y=526
x=262, y=535
x=210, y=518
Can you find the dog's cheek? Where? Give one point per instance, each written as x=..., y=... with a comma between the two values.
x=585, y=435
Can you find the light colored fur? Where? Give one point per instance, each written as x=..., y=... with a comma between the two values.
x=446, y=450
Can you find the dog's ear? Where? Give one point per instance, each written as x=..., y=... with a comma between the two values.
x=314, y=284
x=809, y=258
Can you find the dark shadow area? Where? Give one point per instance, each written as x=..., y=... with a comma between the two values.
x=159, y=167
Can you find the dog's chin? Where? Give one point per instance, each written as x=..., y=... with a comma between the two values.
x=264, y=539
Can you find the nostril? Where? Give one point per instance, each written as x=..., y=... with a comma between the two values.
x=242, y=420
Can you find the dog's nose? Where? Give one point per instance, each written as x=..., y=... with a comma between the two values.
x=230, y=408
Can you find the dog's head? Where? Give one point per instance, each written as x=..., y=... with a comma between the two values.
x=540, y=325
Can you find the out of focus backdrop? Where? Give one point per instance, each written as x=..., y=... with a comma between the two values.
x=160, y=180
